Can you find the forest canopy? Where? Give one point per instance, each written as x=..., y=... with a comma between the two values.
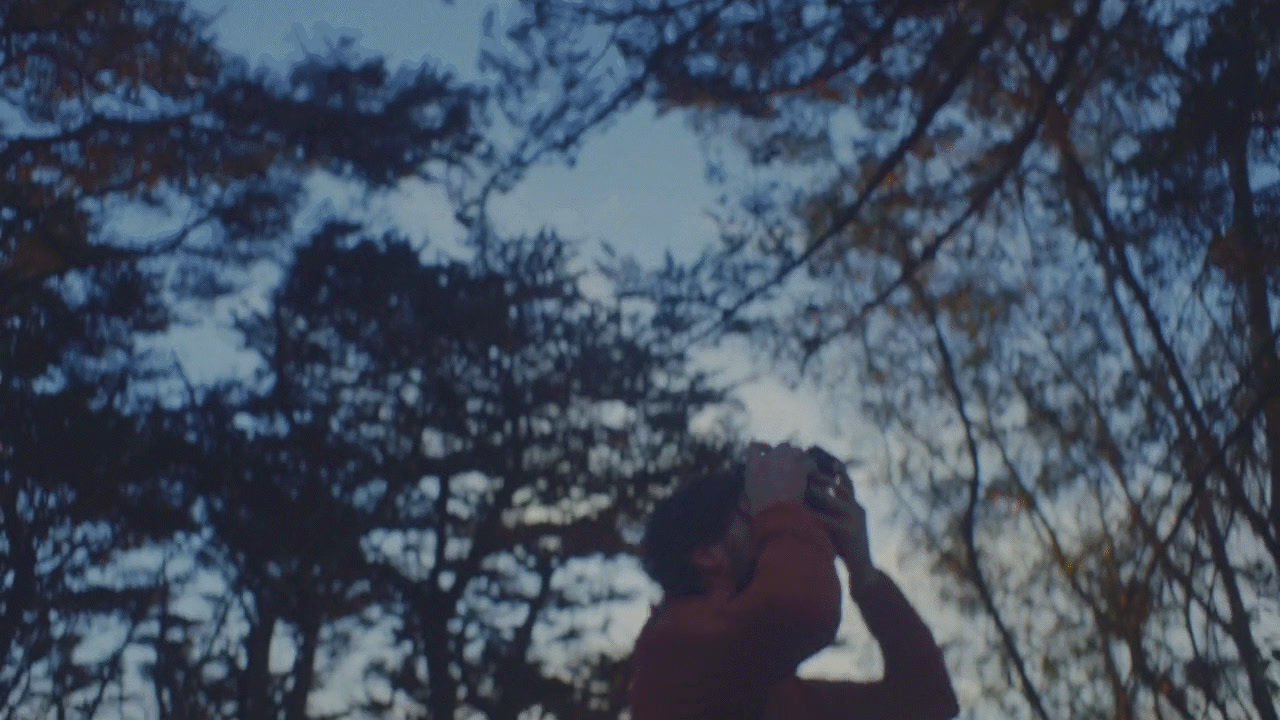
x=1036, y=245
x=1038, y=241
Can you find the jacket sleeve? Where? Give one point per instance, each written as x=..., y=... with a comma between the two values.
x=915, y=685
x=791, y=608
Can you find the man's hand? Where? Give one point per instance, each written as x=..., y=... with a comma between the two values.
x=776, y=473
x=832, y=498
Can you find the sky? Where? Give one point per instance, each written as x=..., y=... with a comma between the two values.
x=639, y=184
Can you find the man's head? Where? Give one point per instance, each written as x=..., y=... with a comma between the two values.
x=700, y=536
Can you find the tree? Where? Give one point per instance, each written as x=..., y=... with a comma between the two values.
x=186, y=132
x=1032, y=228
x=436, y=451
x=83, y=490
x=121, y=117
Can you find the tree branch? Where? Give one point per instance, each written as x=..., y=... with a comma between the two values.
x=970, y=516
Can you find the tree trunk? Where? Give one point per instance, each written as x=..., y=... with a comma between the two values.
x=1238, y=623
x=443, y=686
x=255, y=685
x=1262, y=347
x=21, y=596
x=305, y=662
x=1241, y=94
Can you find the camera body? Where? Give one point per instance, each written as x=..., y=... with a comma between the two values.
x=831, y=472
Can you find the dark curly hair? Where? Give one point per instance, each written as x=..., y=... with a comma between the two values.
x=697, y=513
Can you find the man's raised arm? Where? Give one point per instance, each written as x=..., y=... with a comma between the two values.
x=915, y=685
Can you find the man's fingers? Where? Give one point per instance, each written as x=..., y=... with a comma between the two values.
x=837, y=487
x=844, y=486
x=827, y=504
x=775, y=473
x=832, y=498
x=756, y=452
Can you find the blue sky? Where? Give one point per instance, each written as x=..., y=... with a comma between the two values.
x=639, y=185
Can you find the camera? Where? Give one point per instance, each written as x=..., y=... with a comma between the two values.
x=831, y=473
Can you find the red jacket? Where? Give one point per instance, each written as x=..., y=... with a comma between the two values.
x=705, y=658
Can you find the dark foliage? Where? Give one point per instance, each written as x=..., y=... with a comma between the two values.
x=1036, y=243
x=396, y=512
x=434, y=451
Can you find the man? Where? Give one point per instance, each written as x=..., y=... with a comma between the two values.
x=747, y=565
